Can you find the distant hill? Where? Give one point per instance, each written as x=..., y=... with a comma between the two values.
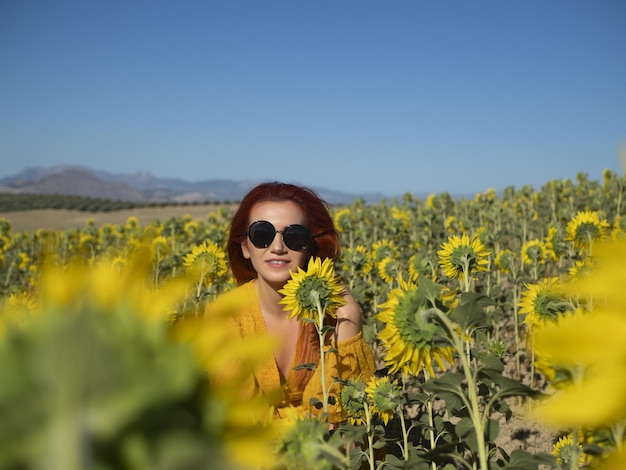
x=143, y=187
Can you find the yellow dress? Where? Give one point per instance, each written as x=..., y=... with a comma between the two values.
x=350, y=359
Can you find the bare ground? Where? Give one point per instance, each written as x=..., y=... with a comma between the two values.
x=62, y=219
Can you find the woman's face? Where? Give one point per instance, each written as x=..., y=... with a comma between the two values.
x=274, y=263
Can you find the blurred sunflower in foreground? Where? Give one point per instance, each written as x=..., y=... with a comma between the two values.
x=589, y=344
x=94, y=378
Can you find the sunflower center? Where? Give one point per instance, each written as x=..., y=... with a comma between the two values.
x=548, y=306
x=464, y=257
x=534, y=252
x=587, y=231
x=413, y=321
x=307, y=287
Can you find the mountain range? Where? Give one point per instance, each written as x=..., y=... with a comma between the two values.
x=144, y=187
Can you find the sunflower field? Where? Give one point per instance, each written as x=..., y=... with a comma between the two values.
x=481, y=312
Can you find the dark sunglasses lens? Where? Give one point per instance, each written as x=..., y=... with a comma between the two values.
x=261, y=234
x=297, y=237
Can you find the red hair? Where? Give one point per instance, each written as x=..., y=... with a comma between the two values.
x=318, y=220
x=325, y=245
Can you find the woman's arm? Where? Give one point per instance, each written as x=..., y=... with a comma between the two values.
x=348, y=318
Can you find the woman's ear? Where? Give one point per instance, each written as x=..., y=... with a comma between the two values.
x=244, y=249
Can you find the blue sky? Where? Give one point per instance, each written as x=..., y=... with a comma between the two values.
x=357, y=96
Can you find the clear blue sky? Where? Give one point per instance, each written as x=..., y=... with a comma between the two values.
x=388, y=96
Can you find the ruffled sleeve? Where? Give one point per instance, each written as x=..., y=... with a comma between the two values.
x=347, y=360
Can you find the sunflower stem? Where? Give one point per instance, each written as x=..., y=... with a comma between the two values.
x=319, y=326
x=431, y=421
x=405, y=434
x=575, y=451
x=516, y=293
x=370, y=437
x=474, y=410
x=617, y=433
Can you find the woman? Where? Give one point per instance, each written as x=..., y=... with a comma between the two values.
x=275, y=231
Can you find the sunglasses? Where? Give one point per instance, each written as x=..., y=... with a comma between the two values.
x=297, y=237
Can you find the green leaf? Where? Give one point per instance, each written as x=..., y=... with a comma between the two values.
x=428, y=289
x=470, y=313
x=316, y=403
x=448, y=388
x=307, y=366
x=327, y=329
x=467, y=433
x=522, y=460
x=490, y=362
x=507, y=387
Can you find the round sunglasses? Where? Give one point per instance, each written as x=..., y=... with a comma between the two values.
x=296, y=237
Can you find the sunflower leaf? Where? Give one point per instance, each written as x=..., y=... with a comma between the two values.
x=308, y=366
x=316, y=403
x=471, y=310
x=522, y=460
x=448, y=388
x=327, y=329
x=429, y=289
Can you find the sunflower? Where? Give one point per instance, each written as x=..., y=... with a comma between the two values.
x=121, y=321
x=554, y=244
x=317, y=286
x=132, y=223
x=461, y=257
x=17, y=310
x=160, y=247
x=585, y=228
x=418, y=264
x=618, y=231
x=591, y=346
x=207, y=262
x=389, y=269
x=382, y=249
x=105, y=231
x=191, y=228
x=580, y=268
x=118, y=263
x=87, y=243
x=5, y=226
x=344, y=220
x=384, y=396
x=5, y=243
x=22, y=261
x=352, y=401
x=356, y=260
x=505, y=261
x=563, y=450
x=558, y=376
x=412, y=337
x=451, y=224
x=534, y=252
x=543, y=301
x=402, y=218
x=450, y=297
x=605, y=277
